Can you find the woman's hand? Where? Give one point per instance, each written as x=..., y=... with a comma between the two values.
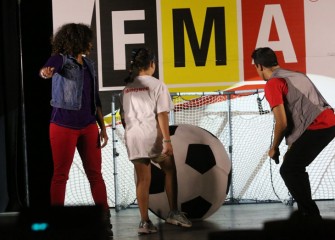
x=47, y=72
x=103, y=137
x=167, y=148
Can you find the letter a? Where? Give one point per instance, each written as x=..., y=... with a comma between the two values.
x=274, y=12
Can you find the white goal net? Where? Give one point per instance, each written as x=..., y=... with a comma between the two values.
x=244, y=124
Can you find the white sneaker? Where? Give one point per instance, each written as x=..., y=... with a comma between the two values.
x=178, y=218
x=146, y=227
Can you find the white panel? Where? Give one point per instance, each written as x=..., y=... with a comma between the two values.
x=320, y=37
x=66, y=11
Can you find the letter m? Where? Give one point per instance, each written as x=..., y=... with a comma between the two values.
x=214, y=16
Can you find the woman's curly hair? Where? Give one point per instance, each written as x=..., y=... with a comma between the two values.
x=72, y=39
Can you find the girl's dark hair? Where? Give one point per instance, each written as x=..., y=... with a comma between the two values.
x=72, y=39
x=141, y=58
x=264, y=56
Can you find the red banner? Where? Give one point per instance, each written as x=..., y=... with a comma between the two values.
x=278, y=24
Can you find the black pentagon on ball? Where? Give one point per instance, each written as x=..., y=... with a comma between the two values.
x=157, y=184
x=200, y=157
x=196, y=208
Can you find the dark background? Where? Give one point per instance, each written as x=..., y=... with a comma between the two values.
x=25, y=154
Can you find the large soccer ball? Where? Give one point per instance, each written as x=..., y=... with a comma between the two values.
x=202, y=166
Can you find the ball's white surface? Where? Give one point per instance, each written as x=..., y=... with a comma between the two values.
x=211, y=185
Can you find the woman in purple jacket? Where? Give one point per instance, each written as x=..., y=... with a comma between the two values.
x=76, y=112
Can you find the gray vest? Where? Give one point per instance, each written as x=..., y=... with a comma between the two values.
x=303, y=103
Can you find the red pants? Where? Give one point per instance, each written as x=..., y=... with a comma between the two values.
x=63, y=144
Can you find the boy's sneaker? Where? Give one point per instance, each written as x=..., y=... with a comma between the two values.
x=178, y=218
x=146, y=227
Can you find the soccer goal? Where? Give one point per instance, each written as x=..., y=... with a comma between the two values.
x=243, y=122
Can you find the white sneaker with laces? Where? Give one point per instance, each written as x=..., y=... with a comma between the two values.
x=146, y=227
x=178, y=218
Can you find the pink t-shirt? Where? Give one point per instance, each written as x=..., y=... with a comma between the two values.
x=141, y=101
x=276, y=90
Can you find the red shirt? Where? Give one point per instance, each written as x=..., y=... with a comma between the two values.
x=276, y=90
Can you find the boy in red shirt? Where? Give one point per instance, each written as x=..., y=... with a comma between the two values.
x=303, y=117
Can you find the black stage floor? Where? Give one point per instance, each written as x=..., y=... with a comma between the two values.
x=242, y=219
x=231, y=221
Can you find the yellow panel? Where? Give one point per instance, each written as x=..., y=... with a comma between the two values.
x=199, y=78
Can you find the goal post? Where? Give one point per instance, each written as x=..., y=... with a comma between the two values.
x=241, y=120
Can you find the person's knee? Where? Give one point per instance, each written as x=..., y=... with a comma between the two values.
x=288, y=172
x=143, y=179
x=169, y=167
x=285, y=171
x=60, y=178
x=94, y=176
